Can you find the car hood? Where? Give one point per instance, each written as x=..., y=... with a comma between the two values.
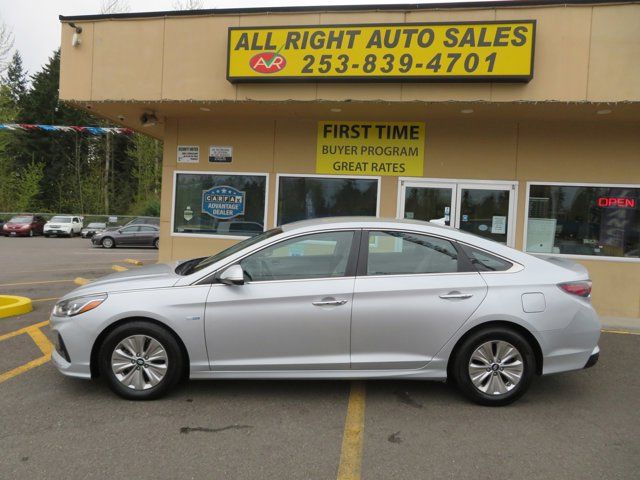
x=158, y=275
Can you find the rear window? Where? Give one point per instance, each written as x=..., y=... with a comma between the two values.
x=58, y=219
x=485, y=262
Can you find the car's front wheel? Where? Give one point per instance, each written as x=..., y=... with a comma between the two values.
x=156, y=243
x=107, y=242
x=494, y=366
x=141, y=360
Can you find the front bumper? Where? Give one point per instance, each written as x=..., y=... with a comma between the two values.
x=76, y=344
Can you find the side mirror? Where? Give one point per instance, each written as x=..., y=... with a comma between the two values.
x=232, y=275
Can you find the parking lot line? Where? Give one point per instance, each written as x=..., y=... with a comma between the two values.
x=81, y=281
x=40, y=339
x=44, y=299
x=351, y=453
x=118, y=268
x=133, y=261
x=33, y=283
x=620, y=332
x=24, y=368
x=23, y=330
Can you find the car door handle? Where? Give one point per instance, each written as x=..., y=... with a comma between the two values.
x=454, y=295
x=329, y=303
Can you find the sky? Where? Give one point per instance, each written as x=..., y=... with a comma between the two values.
x=36, y=27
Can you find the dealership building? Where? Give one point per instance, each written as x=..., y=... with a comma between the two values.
x=516, y=121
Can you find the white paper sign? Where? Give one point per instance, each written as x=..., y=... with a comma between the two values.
x=499, y=225
x=188, y=153
x=220, y=154
x=541, y=233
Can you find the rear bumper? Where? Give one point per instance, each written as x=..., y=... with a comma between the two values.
x=593, y=359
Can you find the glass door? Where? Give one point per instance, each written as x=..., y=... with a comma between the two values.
x=430, y=202
x=486, y=210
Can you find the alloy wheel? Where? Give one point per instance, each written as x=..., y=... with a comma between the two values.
x=496, y=367
x=139, y=362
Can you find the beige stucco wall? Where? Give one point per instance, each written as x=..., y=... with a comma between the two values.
x=583, y=53
x=592, y=152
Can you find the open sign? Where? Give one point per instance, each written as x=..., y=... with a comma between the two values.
x=621, y=202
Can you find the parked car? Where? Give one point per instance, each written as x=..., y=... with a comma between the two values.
x=132, y=235
x=93, y=228
x=336, y=298
x=67, y=225
x=26, y=225
x=144, y=221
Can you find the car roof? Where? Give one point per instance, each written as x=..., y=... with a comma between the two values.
x=361, y=222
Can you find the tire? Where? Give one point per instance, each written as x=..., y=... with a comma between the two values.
x=137, y=382
x=46, y=235
x=108, y=242
x=500, y=384
x=156, y=243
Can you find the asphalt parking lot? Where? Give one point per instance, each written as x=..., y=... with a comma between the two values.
x=572, y=426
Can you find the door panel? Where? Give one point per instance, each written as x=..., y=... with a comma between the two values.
x=411, y=295
x=275, y=326
x=432, y=203
x=485, y=212
x=401, y=321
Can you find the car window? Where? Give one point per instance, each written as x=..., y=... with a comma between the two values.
x=147, y=228
x=485, y=262
x=318, y=255
x=21, y=219
x=131, y=229
x=59, y=219
x=397, y=253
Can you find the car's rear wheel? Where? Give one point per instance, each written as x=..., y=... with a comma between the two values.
x=494, y=366
x=156, y=243
x=107, y=242
x=140, y=360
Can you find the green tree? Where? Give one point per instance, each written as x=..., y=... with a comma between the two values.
x=146, y=153
x=15, y=79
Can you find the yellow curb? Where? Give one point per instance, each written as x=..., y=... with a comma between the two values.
x=10, y=306
x=81, y=281
x=118, y=268
x=133, y=261
x=621, y=332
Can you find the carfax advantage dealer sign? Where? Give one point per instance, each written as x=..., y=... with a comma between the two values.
x=473, y=51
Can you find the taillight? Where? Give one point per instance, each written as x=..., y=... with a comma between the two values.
x=581, y=288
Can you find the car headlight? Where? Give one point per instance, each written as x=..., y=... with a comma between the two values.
x=78, y=305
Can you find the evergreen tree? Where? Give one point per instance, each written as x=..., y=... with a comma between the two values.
x=16, y=79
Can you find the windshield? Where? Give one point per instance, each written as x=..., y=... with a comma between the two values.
x=197, y=264
x=61, y=219
x=21, y=220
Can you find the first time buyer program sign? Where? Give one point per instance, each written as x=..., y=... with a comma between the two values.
x=465, y=51
x=370, y=148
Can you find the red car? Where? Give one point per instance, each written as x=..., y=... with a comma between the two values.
x=24, y=226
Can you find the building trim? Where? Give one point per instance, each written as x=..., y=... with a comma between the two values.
x=339, y=8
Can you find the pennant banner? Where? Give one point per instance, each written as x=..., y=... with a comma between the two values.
x=59, y=128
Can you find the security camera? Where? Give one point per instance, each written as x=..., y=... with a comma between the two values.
x=121, y=118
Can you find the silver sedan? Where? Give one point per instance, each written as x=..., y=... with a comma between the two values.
x=338, y=298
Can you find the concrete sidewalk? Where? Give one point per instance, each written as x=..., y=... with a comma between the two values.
x=621, y=323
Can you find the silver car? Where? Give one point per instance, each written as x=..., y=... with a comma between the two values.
x=338, y=298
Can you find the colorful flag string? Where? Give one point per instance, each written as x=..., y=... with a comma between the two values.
x=26, y=127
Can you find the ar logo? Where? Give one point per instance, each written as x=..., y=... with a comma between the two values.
x=267, y=62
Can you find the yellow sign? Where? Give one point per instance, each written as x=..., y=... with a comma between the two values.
x=474, y=51
x=370, y=148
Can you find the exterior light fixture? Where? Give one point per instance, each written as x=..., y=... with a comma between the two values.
x=75, y=40
x=466, y=111
x=205, y=109
x=336, y=110
x=148, y=120
x=605, y=111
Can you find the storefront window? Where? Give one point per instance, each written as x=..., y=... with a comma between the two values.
x=219, y=204
x=584, y=220
x=300, y=198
